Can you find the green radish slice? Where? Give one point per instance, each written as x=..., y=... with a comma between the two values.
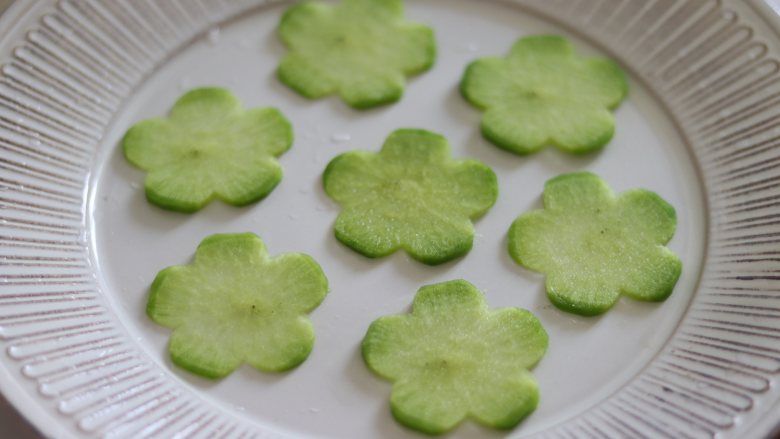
x=594, y=246
x=209, y=147
x=542, y=94
x=451, y=358
x=361, y=50
x=234, y=304
x=411, y=195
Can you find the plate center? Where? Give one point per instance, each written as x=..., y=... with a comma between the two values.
x=332, y=393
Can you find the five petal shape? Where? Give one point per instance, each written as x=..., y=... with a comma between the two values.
x=234, y=304
x=451, y=358
x=209, y=147
x=359, y=49
x=594, y=246
x=411, y=195
x=542, y=94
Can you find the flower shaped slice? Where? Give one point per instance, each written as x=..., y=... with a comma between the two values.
x=360, y=49
x=209, y=147
x=452, y=359
x=543, y=94
x=594, y=246
x=234, y=304
x=411, y=195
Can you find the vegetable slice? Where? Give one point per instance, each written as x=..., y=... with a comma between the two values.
x=411, y=196
x=594, y=246
x=234, y=304
x=209, y=147
x=359, y=49
x=451, y=359
x=542, y=94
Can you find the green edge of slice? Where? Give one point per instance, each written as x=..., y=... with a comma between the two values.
x=389, y=202
x=453, y=359
x=542, y=94
x=594, y=246
x=234, y=304
x=209, y=148
x=343, y=49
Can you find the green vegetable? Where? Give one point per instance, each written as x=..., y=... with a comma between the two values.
x=234, y=304
x=207, y=148
x=594, y=246
x=359, y=49
x=542, y=94
x=452, y=359
x=411, y=196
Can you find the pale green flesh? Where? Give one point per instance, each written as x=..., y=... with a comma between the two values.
x=542, y=94
x=234, y=304
x=209, y=148
x=452, y=359
x=359, y=49
x=410, y=196
x=594, y=246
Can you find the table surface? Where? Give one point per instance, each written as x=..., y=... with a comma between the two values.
x=15, y=425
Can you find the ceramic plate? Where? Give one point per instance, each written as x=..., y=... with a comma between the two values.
x=79, y=244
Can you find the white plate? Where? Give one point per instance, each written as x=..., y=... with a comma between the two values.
x=79, y=245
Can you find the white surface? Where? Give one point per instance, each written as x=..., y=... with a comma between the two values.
x=13, y=424
x=332, y=393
